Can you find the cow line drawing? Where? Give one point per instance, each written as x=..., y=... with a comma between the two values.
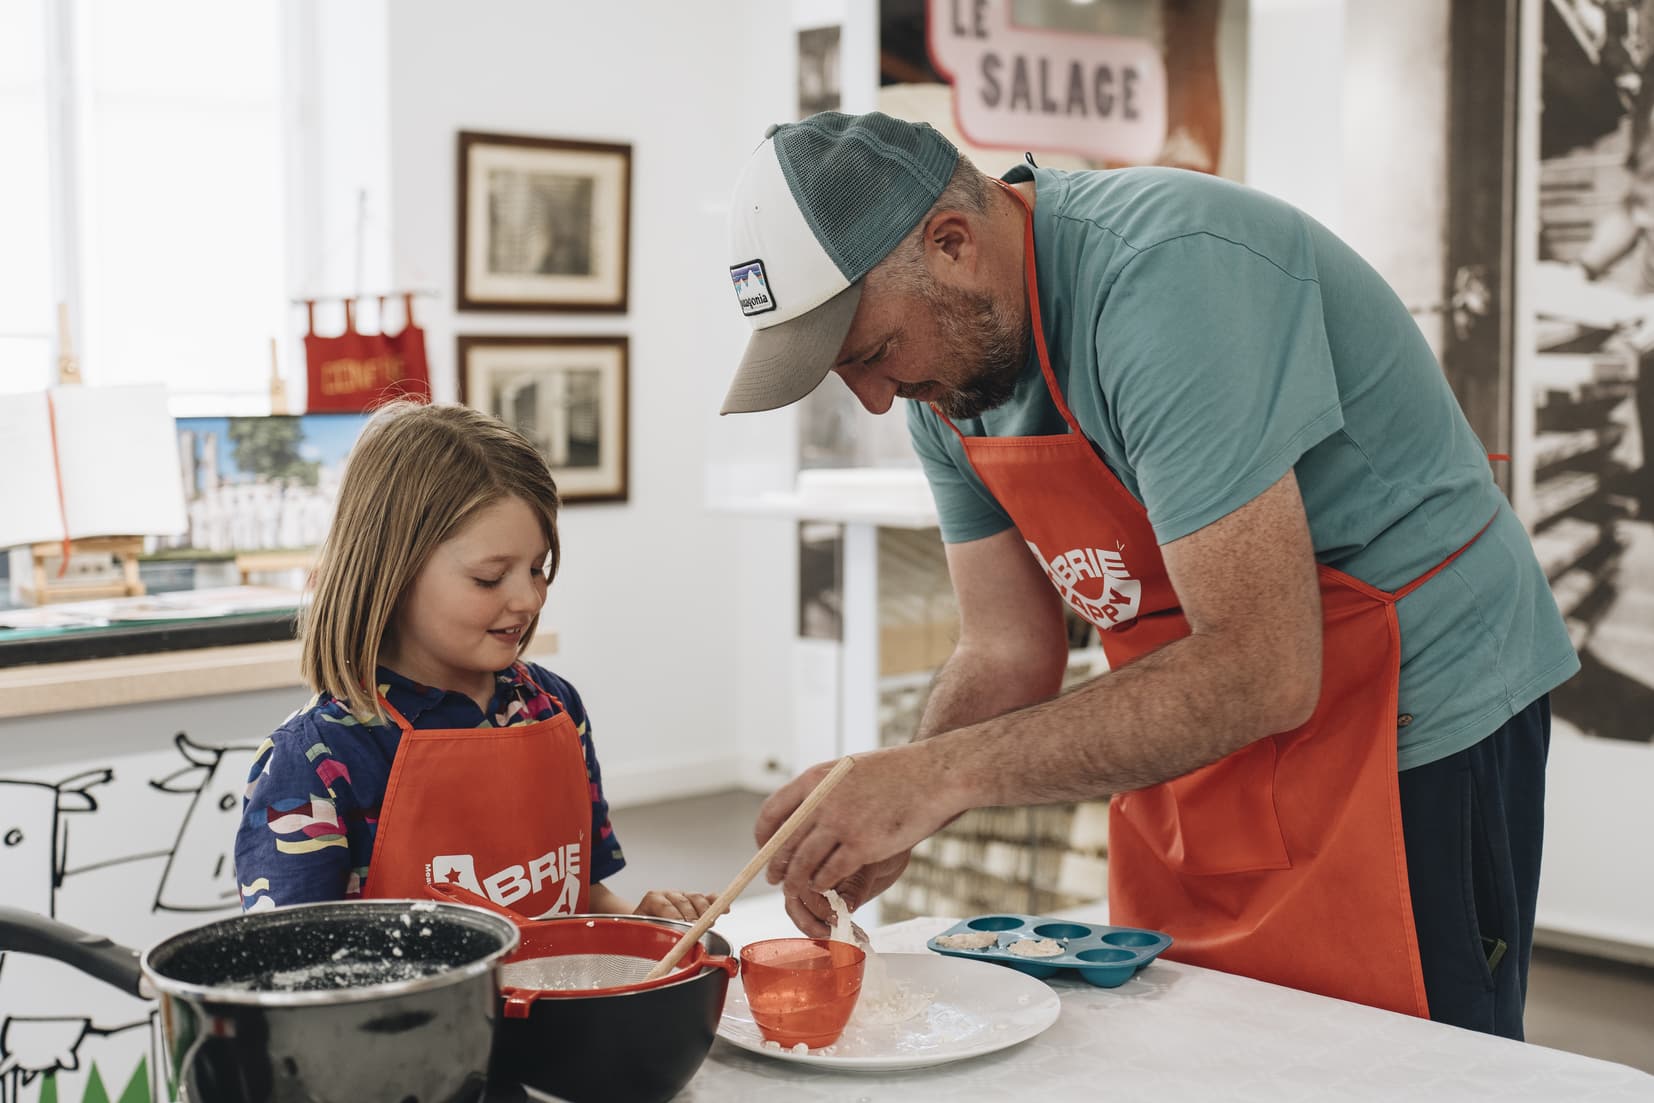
x=206, y=835
x=197, y=877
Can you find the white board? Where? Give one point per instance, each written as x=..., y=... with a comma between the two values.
x=117, y=454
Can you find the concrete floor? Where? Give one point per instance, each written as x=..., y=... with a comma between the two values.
x=1575, y=1003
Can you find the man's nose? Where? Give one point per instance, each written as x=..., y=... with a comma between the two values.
x=872, y=390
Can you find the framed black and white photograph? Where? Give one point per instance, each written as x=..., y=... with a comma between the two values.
x=567, y=395
x=818, y=69
x=542, y=223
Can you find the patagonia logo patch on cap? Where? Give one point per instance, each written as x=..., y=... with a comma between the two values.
x=751, y=288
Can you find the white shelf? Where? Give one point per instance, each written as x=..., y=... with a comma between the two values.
x=887, y=497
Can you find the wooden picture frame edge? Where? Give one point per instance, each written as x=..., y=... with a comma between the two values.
x=465, y=342
x=463, y=301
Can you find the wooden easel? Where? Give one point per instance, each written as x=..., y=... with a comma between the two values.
x=48, y=585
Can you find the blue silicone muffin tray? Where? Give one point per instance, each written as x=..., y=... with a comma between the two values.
x=1105, y=956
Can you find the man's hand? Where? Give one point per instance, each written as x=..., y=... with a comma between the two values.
x=890, y=801
x=812, y=914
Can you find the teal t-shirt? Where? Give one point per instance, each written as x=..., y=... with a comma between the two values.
x=1209, y=339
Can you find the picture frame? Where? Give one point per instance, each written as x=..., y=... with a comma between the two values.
x=568, y=395
x=258, y=485
x=544, y=224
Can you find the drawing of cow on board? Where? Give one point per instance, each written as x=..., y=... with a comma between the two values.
x=34, y=847
x=200, y=874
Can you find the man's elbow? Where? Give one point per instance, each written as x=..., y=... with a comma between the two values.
x=1030, y=668
x=1293, y=684
x=1294, y=701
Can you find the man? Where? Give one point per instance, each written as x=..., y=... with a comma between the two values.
x=1227, y=445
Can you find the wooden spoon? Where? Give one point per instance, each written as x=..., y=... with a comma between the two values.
x=759, y=860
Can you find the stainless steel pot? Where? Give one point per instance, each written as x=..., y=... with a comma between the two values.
x=344, y=1002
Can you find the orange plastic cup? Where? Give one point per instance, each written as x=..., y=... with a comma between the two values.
x=802, y=989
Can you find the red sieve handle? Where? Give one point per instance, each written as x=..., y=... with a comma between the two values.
x=519, y=1001
x=450, y=893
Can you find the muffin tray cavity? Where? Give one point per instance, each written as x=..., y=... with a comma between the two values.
x=1104, y=956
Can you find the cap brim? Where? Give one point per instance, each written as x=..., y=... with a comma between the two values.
x=785, y=362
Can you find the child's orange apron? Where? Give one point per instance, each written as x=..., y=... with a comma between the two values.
x=504, y=812
x=1283, y=861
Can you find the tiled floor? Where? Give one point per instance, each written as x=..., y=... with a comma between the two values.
x=1602, y=1009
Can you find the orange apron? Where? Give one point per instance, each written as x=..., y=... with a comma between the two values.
x=1284, y=860
x=504, y=812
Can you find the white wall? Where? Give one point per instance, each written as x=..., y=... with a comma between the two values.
x=1294, y=144
x=667, y=611
x=1366, y=152
x=1395, y=147
x=338, y=185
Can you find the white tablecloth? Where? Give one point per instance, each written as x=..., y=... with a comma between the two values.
x=1176, y=1032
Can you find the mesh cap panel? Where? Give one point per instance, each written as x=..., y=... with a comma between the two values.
x=863, y=182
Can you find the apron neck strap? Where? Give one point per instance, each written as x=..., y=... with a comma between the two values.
x=522, y=670
x=1030, y=279
x=397, y=717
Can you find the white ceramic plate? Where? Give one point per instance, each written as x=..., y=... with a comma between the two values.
x=977, y=1008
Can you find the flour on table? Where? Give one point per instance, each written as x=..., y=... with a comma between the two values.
x=883, y=1001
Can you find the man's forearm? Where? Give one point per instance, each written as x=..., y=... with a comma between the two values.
x=1175, y=710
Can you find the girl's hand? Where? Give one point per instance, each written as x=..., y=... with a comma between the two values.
x=669, y=904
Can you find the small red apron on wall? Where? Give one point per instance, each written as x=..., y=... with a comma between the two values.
x=1283, y=861
x=503, y=812
x=356, y=371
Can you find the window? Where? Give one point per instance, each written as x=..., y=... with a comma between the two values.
x=26, y=315
x=165, y=159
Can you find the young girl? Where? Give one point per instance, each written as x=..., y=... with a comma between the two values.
x=457, y=762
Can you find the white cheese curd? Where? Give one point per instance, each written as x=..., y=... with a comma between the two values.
x=968, y=940
x=1035, y=947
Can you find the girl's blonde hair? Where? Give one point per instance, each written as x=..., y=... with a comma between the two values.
x=415, y=477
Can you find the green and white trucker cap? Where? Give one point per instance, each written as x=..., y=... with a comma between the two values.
x=818, y=205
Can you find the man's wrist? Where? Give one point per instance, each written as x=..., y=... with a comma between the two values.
x=956, y=766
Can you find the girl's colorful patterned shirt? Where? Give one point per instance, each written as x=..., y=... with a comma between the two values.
x=312, y=806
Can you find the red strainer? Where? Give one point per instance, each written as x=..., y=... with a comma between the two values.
x=570, y=957
x=578, y=956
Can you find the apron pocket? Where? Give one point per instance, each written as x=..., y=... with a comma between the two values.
x=1218, y=819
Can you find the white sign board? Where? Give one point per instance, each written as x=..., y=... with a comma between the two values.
x=88, y=461
x=1099, y=96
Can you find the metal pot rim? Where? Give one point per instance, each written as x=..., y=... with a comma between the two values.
x=332, y=997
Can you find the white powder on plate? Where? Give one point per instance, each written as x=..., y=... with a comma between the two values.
x=883, y=1001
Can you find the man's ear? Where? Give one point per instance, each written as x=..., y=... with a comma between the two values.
x=952, y=247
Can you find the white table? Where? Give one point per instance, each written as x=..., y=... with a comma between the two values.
x=1176, y=1032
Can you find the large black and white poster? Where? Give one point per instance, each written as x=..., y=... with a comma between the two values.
x=1591, y=368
